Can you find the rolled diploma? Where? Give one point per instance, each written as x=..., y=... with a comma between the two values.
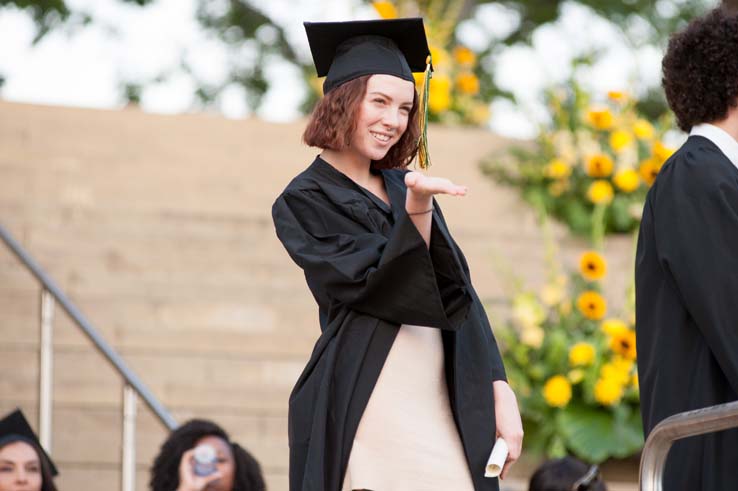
x=497, y=458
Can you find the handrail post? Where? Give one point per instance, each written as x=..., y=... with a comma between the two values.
x=682, y=425
x=46, y=370
x=128, y=465
x=90, y=331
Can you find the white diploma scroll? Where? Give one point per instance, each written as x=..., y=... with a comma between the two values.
x=496, y=460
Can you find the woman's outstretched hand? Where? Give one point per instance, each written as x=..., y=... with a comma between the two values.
x=509, y=424
x=423, y=186
x=419, y=199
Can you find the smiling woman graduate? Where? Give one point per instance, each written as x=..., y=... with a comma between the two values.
x=405, y=388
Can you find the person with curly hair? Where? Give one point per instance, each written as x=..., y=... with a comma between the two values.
x=173, y=469
x=687, y=256
x=566, y=474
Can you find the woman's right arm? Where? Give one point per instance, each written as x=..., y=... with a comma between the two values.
x=391, y=277
x=419, y=200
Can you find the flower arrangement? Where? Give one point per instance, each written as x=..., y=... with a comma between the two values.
x=592, y=165
x=573, y=367
x=457, y=93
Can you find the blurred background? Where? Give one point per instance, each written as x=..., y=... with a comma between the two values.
x=142, y=143
x=241, y=58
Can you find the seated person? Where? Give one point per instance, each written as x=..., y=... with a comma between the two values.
x=566, y=474
x=23, y=463
x=174, y=467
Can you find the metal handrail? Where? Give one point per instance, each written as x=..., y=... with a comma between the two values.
x=133, y=385
x=676, y=427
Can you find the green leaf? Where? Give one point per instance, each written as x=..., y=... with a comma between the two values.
x=620, y=219
x=594, y=434
x=556, y=447
x=536, y=436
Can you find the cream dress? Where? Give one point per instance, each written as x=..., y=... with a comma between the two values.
x=407, y=438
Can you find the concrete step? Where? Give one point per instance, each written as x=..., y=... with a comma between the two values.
x=83, y=377
x=159, y=229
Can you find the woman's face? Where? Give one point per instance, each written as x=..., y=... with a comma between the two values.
x=225, y=463
x=383, y=115
x=20, y=468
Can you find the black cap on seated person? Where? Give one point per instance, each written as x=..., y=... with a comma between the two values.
x=343, y=51
x=14, y=428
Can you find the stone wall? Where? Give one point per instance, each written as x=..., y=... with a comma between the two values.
x=159, y=229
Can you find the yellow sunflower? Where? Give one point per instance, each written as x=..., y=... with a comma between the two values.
x=386, y=10
x=613, y=326
x=627, y=180
x=648, y=170
x=464, y=56
x=617, y=370
x=617, y=96
x=608, y=391
x=601, y=119
x=599, y=165
x=592, y=266
x=557, y=169
x=557, y=188
x=600, y=192
x=624, y=343
x=440, y=58
x=643, y=130
x=661, y=151
x=439, y=97
x=620, y=140
x=581, y=354
x=576, y=375
x=467, y=83
x=557, y=391
x=592, y=305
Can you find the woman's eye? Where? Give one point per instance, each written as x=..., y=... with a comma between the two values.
x=379, y=101
x=33, y=469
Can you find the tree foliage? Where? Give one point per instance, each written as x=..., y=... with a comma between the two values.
x=243, y=22
x=663, y=17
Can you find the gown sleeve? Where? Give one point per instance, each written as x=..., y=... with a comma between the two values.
x=498, y=368
x=393, y=277
x=697, y=235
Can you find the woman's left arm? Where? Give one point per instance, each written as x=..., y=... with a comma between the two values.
x=508, y=422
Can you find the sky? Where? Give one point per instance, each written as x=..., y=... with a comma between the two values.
x=82, y=68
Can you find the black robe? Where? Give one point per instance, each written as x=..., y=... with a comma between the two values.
x=370, y=271
x=687, y=308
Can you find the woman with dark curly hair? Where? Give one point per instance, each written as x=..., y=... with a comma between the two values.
x=566, y=474
x=174, y=467
x=687, y=258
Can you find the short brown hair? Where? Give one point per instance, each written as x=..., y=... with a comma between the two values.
x=333, y=122
x=700, y=69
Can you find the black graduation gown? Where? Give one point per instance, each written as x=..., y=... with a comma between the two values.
x=687, y=308
x=370, y=271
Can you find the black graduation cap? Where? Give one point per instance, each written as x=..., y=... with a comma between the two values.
x=343, y=51
x=14, y=427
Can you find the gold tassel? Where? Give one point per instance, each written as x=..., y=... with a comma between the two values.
x=423, y=155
